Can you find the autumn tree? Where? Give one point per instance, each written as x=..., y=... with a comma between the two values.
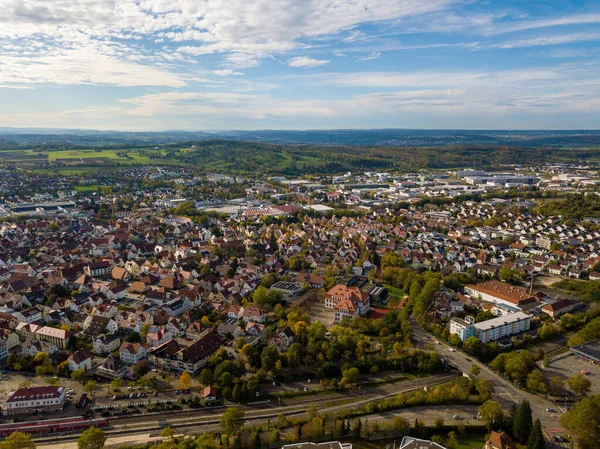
x=185, y=380
x=582, y=421
x=92, y=438
x=78, y=375
x=90, y=387
x=18, y=440
x=536, y=381
x=491, y=413
x=232, y=420
x=579, y=384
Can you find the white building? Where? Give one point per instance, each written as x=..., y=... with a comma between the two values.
x=502, y=326
x=131, y=353
x=31, y=399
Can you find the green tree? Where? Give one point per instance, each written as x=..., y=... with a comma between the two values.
x=475, y=370
x=312, y=411
x=134, y=337
x=78, y=375
x=116, y=383
x=536, y=382
x=491, y=413
x=167, y=432
x=90, y=387
x=582, y=421
x=522, y=422
x=351, y=375
x=92, y=438
x=18, y=440
x=232, y=420
x=485, y=388
x=206, y=377
x=556, y=384
x=144, y=331
x=237, y=393
x=452, y=441
x=579, y=384
x=536, y=439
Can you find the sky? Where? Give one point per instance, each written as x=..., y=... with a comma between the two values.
x=152, y=65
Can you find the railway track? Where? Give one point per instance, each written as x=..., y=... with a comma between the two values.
x=208, y=419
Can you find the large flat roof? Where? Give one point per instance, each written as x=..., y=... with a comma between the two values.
x=590, y=350
x=501, y=321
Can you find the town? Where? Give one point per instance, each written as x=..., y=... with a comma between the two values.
x=161, y=290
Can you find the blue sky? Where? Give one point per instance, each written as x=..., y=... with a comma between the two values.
x=299, y=64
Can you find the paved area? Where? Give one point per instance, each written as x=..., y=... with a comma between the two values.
x=316, y=309
x=569, y=365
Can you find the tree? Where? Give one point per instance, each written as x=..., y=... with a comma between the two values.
x=452, y=441
x=18, y=440
x=185, y=380
x=491, y=413
x=90, y=386
x=78, y=375
x=232, y=420
x=269, y=357
x=522, y=422
x=312, y=411
x=536, y=439
x=579, y=384
x=237, y=393
x=41, y=358
x=536, y=382
x=485, y=388
x=167, y=432
x=92, y=438
x=557, y=384
x=351, y=375
x=582, y=421
x=141, y=368
x=144, y=331
x=116, y=383
x=134, y=337
x=475, y=370
x=206, y=377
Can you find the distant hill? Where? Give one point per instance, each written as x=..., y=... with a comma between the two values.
x=243, y=156
x=65, y=138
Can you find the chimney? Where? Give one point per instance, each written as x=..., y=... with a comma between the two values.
x=531, y=286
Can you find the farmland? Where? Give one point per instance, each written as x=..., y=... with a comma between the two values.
x=75, y=161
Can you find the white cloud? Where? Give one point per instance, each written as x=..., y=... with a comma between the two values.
x=458, y=99
x=370, y=57
x=78, y=66
x=244, y=32
x=304, y=61
x=227, y=72
x=549, y=40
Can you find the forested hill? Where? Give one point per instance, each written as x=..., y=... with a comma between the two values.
x=294, y=159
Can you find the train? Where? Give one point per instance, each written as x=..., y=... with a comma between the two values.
x=52, y=425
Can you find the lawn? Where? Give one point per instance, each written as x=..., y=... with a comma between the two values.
x=92, y=188
x=471, y=442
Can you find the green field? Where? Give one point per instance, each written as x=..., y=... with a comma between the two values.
x=78, y=161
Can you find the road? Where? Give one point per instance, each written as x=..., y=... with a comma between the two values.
x=507, y=393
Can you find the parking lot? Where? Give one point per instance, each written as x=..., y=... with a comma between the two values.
x=569, y=365
x=134, y=404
